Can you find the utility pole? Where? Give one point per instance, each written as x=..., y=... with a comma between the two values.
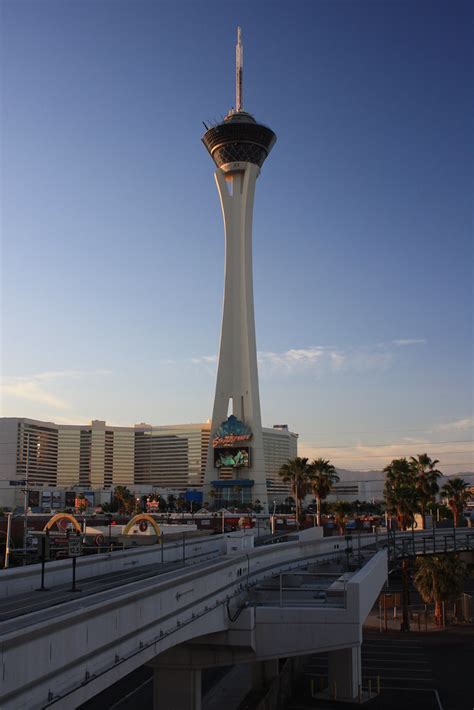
x=25, y=498
x=405, y=625
x=7, y=541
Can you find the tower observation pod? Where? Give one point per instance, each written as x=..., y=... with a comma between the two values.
x=235, y=471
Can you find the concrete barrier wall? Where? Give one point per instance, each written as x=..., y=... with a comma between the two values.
x=364, y=587
x=18, y=580
x=79, y=645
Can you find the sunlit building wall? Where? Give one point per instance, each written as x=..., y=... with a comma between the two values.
x=37, y=452
x=99, y=456
x=97, y=473
x=120, y=448
x=69, y=449
x=279, y=445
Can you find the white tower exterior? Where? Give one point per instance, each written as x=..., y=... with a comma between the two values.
x=235, y=464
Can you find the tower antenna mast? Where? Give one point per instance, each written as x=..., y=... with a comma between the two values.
x=239, y=65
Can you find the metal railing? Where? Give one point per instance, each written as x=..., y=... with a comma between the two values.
x=329, y=590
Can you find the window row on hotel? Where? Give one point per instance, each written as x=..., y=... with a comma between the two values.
x=100, y=456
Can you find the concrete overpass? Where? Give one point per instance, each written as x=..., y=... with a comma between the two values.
x=233, y=607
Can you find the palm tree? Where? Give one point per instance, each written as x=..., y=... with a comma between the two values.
x=214, y=495
x=297, y=472
x=457, y=496
x=341, y=508
x=400, y=493
x=322, y=478
x=426, y=481
x=439, y=578
x=238, y=494
x=124, y=498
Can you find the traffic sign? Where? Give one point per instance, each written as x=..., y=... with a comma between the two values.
x=74, y=546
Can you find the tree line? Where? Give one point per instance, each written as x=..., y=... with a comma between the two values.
x=411, y=487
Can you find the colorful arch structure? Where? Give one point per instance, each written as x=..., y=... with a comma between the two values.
x=62, y=516
x=137, y=518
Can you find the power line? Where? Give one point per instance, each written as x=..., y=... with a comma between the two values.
x=379, y=431
x=458, y=463
x=384, y=456
x=373, y=446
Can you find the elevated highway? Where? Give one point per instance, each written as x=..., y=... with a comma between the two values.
x=197, y=610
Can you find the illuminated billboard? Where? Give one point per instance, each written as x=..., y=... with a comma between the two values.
x=232, y=457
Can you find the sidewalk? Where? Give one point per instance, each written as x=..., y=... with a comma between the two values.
x=419, y=622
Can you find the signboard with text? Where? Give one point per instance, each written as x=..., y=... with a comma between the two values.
x=74, y=546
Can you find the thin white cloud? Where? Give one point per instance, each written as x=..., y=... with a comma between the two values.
x=366, y=457
x=33, y=392
x=64, y=419
x=409, y=341
x=325, y=359
x=457, y=425
x=316, y=358
x=68, y=374
x=205, y=360
x=33, y=388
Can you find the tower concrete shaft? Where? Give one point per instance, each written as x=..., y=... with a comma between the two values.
x=237, y=375
x=238, y=146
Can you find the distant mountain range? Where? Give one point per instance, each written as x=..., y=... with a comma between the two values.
x=348, y=475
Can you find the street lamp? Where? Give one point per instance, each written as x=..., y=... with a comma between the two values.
x=25, y=498
x=109, y=523
x=7, y=541
x=272, y=520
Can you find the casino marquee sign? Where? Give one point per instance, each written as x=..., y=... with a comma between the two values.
x=231, y=432
x=229, y=444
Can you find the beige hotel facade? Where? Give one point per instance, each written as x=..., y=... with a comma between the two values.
x=96, y=457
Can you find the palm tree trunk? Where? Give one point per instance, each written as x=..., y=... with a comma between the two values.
x=318, y=510
x=422, y=511
x=405, y=625
x=456, y=517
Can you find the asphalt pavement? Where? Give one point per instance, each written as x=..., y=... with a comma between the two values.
x=419, y=671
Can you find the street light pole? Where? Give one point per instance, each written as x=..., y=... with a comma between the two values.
x=7, y=541
x=25, y=497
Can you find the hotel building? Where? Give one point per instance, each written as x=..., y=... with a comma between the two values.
x=97, y=457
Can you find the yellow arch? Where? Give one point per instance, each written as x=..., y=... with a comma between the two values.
x=136, y=519
x=62, y=516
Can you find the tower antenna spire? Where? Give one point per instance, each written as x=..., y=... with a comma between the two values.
x=239, y=66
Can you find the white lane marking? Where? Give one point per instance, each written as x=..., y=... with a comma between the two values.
x=412, y=690
x=437, y=699
x=389, y=663
x=393, y=677
x=131, y=694
x=382, y=666
x=405, y=654
x=391, y=644
x=386, y=678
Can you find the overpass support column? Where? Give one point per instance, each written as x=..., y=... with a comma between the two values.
x=263, y=672
x=345, y=674
x=176, y=689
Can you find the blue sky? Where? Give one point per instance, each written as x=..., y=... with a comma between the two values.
x=112, y=247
